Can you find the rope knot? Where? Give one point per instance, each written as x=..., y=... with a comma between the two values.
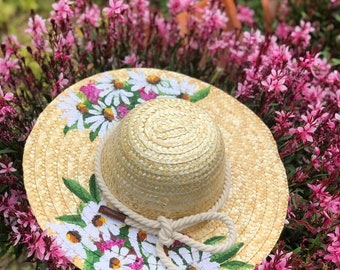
x=166, y=231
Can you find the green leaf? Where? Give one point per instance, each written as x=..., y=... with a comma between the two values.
x=214, y=240
x=91, y=258
x=226, y=255
x=72, y=219
x=236, y=265
x=94, y=134
x=78, y=190
x=67, y=128
x=94, y=188
x=6, y=151
x=200, y=94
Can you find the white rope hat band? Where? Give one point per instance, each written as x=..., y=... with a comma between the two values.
x=167, y=230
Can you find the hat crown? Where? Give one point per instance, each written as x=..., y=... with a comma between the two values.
x=166, y=157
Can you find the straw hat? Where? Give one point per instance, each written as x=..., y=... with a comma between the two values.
x=147, y=169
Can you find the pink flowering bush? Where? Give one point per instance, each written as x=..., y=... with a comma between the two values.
x=284, y=77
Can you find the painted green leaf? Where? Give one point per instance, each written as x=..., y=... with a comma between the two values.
x=214, y=240
x=226, y=255
x=78, y=190
x=67, y=128
x=91, y=259
x=72, y=219
x=236, y=265
x=94, y=188
x=94, y=134
x=200, y=94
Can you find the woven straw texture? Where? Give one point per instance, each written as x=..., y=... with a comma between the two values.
x=162, y=163
x=258, y=197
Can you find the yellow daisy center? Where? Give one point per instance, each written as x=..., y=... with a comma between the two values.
x=190, y=267
x=98, y=221
x=153, y=79
x=108, y=114
x=82, y=108
x=118, y=84
x=115, y=263
x=185, y=96
x=141, y=235
x=73, y=236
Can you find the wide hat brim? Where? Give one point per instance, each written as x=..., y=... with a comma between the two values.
x=59, y=174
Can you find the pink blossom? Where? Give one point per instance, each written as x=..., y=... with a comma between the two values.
x=7, y=168
x=141, y=6
x=177, y=6
x=91, y=92
x=138, y=264
x=122, y=111
x=62, y=11
x=278, y=261
x=334, y=248
x=116, y=8
x=301, y=34
x=305, y=133
x=60, y=83
x=245, y=15
x=275, y=82
x=283, y=30
x=147, y=96
x=90, y=16
x=130, y=60
x=11, y=45
x=6, y=66
x=7, y=96
x=36, y=26
x=213, y=19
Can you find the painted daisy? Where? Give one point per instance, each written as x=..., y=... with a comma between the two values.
x=186, y=89
x=113, y=89
x=116, y=258
x=153, y=264
x=74, y=109
x=193, y=259
x=73, y=239
x=142, y=242
x=98, y=223
x=150, y=83
x=103, y=118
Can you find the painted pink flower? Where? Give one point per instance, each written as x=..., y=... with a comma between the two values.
x=122, y=111
x=91, y=92
x=147, y=96
x=116, y=8
x=6, y=168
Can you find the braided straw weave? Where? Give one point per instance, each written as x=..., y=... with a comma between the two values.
x=166, y=158
x=258, y=195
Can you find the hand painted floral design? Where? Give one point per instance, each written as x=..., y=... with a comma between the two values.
x=103, y=242
x=193, y=259
x=107, y=99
